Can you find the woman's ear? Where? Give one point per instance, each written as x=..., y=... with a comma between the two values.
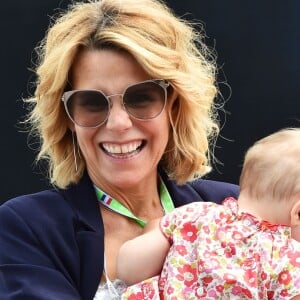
x=295, y=213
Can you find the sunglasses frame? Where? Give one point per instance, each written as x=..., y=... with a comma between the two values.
x=164, y=84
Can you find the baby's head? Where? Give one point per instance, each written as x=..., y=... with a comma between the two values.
x=272, y=166
x=271, y=170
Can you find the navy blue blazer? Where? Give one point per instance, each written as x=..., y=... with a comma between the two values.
x=52, y=242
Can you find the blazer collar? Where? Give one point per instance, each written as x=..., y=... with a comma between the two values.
x=83, y=199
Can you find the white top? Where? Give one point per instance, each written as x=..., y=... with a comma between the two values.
x=110, y=290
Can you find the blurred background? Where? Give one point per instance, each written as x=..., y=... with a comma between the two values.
x=257, y=44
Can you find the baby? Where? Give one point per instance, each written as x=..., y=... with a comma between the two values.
x=243, y=249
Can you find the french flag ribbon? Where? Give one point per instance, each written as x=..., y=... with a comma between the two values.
x=106, y=199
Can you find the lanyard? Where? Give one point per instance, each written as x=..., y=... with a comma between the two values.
x=119, y=208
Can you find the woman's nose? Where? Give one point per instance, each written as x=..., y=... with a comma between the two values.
x=118, y=118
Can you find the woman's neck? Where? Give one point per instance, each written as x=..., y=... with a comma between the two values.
x=142, y=199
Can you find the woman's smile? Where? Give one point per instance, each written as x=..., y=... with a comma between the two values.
x=124, y=150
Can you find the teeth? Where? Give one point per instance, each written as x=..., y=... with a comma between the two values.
x=121, y=149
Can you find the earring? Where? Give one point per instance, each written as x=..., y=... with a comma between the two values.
x=74, y=151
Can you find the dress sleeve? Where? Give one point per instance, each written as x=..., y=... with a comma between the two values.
x=180, y=217
x=28, y=269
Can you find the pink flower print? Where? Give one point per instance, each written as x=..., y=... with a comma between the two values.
x=170, y=290
x=256, y=256
x=236, y=290
x=229, y=249
x=223, y=244
x=217, y=221
x=231, y=203
x=223, y=215
x=221, y=233
x=206, y=280
x=283, y=250
x=205, y=228
x=270, y=295
x=206, y=255
x=284, y=277
x=189, y=232
x=229, y=278
x=211, y=265
x=247, y=293
x=267, y=285
x=251, y=278
x=187, y=274
x=237, y=235
x=263, y=275
x=200, y=292
x=297, y=283
x=284, y=293
x=220, y=288
x=165, y=222
x=261, y=294
x=265, y=225
x=137, y=296
x=212, y=293
x=294, y=258
x=148, y=290
x=249, y=264
x=180, y=249
x=185, y=216
x=208, y=241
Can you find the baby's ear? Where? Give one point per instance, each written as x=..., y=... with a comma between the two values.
x=295, y=214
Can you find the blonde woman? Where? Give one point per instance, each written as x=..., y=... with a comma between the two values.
x=124, y=108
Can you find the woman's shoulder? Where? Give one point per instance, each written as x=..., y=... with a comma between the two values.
x=54, y=229
x=41, y=224
x=51, y=197
x=54, y=202
x=47, y=206
x=201, y=190
x=211, y=188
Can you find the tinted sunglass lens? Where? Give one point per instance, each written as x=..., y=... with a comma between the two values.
x=145, y=100
x=88, y=108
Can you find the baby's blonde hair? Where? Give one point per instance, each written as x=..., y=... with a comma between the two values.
x=272, y=167
x=166, y=46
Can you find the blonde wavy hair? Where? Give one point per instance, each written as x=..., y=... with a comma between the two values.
x=271, y=168
x=167, y=47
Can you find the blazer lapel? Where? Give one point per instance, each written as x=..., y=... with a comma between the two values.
x=89, y=234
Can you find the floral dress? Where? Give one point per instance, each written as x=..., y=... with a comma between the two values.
x=217, y=253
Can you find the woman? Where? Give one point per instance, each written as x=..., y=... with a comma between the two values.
x=124, y=109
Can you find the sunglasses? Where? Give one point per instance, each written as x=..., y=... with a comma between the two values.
x=142, y=101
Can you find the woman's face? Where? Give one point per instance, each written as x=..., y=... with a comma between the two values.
x=122, y=152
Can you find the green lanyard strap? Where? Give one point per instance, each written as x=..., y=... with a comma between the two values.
x=116, y=206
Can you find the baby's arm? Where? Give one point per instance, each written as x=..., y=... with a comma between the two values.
x=143, y=256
